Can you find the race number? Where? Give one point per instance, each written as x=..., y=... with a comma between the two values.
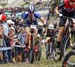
x=33, y=26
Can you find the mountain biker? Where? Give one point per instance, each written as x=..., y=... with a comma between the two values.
x=49, y=40
x=32, y=16
x=50, y=32
x=67, y=8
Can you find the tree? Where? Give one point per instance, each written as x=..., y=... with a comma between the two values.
x=53, y=4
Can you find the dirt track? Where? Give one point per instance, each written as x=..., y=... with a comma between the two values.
x=42, y=63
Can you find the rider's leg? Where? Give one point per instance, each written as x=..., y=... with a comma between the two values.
x=60, y=34
x=61, y=30
x=74, y=31
x=72, y=40
x=28, y=37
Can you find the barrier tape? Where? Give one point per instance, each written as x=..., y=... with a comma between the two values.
x=5, y=48
x=17, y=46
x=9, y=48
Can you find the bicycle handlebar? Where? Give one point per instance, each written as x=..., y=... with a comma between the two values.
x=61, y=15
x=25, y=25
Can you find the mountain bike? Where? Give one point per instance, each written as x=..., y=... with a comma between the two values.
x=49, y=48
x=69, y=58
x=35, y=50
x=65, y=44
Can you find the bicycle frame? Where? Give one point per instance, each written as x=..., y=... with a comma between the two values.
x=70, y=34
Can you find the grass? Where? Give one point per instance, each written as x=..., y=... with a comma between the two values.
x=42, y=63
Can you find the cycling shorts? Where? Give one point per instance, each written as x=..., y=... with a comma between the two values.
x=63, y=20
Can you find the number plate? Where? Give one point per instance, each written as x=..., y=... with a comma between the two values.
x=33, y=26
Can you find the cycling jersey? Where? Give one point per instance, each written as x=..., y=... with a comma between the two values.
x=66, y=6
x=50, y=33
x=34, y=19
x=67, y=10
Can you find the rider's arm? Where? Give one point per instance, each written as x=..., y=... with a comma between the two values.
x=58, y=8
x=24, y=15
x=41, y=18
x=29, y=38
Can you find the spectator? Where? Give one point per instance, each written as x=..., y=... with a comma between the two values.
x=1, y=40
x=6, y=56
x=12, y=37
x=22, y=38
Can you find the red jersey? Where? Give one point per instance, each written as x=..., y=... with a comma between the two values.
x=67, y=4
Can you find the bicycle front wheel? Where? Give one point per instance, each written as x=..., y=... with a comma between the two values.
x=69, y=60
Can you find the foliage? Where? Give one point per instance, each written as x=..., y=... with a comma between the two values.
x=3, y=4
x=25, y=3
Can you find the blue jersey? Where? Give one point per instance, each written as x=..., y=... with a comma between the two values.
x=34, y=19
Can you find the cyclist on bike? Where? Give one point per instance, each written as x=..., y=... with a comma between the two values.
x=31, y=17
x=67, y=8
x=50, y=40
x=50, y=32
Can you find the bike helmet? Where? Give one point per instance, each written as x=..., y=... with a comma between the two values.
x=31, y=8
x=51, y=26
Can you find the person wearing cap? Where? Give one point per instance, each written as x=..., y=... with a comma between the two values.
x=7, y=54
x=3, y=19
x=10, y=23
x=12, y=40
x=1, y=36
x=1, y=40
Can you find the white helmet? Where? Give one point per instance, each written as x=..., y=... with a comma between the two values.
x=10, y=22
x=31, y=8
x=51, y=26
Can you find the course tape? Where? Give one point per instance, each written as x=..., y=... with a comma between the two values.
x=9, y=48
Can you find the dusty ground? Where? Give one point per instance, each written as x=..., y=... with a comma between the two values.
x=42, y=63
